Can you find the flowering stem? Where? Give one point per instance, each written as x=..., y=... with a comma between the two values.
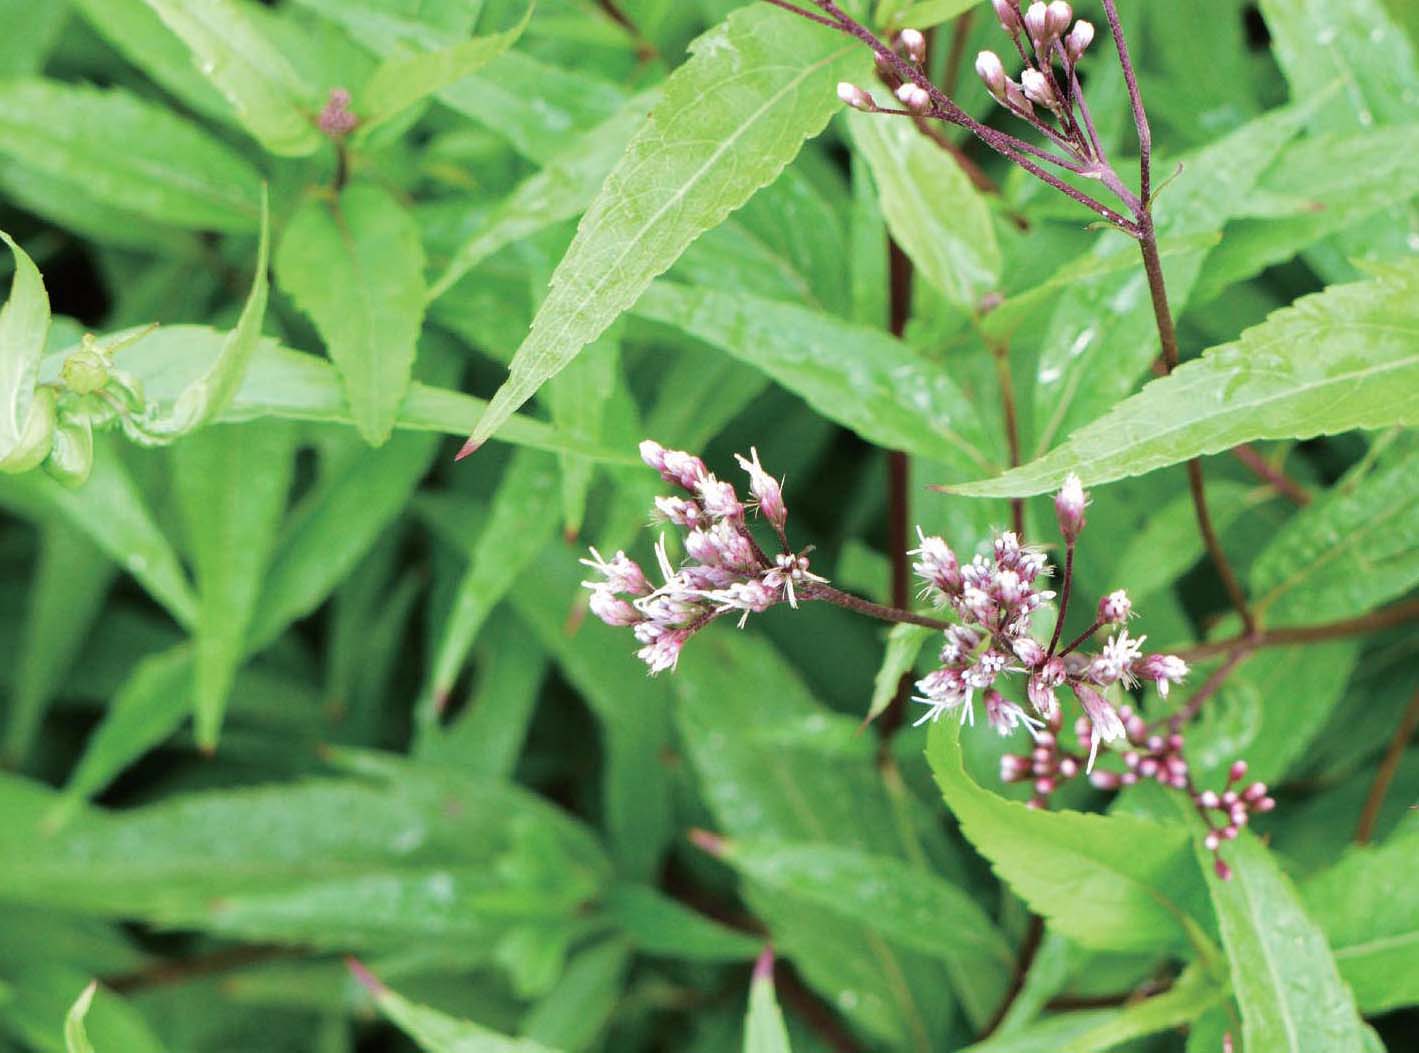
x=899, y=294
x=1064, y=599
x=1408, y=724
x=1263, y=469
x=847, y=600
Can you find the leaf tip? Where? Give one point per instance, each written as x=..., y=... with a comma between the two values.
x=366, y=979
x=708, y=842
x=764, y=965
x=470, y=447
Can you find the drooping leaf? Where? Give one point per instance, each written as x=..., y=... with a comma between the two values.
x=86, y=136
x=25, y=426
x=1337, y=360
x=909, y=907
x=732, y=117
x=1291, y=995
x=1115, y=882
x=904, y=643
x=264, y=90
x=232, y=483
x=862, y=378
x=764, y=1029
x=356, y=267
x=404, y=80
x=1345, y=554
x=934, y=213
x=1367, y=905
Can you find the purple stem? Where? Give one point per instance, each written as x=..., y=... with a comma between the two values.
x=848, y=601
x=1063, y=596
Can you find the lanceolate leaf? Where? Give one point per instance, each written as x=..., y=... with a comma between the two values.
x=181, y=176
x=1368, y=906
x=904, y=643
x=1110, y=882
x=402, y=81
x=357, y=269
x=732, y=117
x=265, y=92
x=24, y=323
x=880, y=387
x=764, y=1029
x=76, y=1038
x=437, y=1032
x=1291, y=995
x=932, y=210
x=1345, y=358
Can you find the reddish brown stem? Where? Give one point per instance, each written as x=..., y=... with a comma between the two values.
x=857, y=604
x=1374, y=801
x=1387, y=618
x=1210, y=687
x=1264, y=470
x=1064, y=588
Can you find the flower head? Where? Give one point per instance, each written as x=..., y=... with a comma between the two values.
x=1104, y=722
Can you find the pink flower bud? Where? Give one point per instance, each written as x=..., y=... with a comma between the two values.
x=1208, y=799
x=1079, y=39
x=1008, y=11
x=1115, y=607
x=992, y=73
x=855, y=97
x=767, y=491
x=335, y=118
x=1069, y=507
x=1223, y=870
x=1037, y=23
x=1104, y=722
x=1044, y=787
x=914, y=44
x=653, y=454
x=1212, y=841
x=1013, y=767
x=914, y=97
x=1105, y=780
x=1029, y=651
x=613, y=610
x=1238, y=771
x=679, y=511
x=719, y=499
x=1254, y=792
x=1266, y=804
x=1037, y=88
x=1057, y=17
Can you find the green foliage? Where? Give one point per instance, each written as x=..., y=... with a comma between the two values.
x=311, y=738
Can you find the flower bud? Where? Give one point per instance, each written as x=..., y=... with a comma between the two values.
x=1037, y=88
x=1028, y=650
x=855, y=97
x=1057, y=18
x=766, y=489
x=1223, y=870
x=1069, y=507
x=914, y=97
x=914, y=44
x=1105, y=780
x=1238, y=771
x=613, y=610
x=1115, y=607
x=1015, y=99
x=992, y=73
x=1008, y=11
x=1037, y=23
x=1079, y=39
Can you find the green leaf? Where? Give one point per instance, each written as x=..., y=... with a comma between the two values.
x=1169, y=543
x=357, y=269
x=76, y=1039
x=579, y=399
x=85, y=136
x=934, y=213
x=292, y=385
x=232, y=483
x=111, y=510
x=732, y=118
x=573, y=1014
x=764, y=1028
x=25, y=426
x=436, y=1032
x=264, y=90
x=1345, y=554
x=564, y=188
x=71, y=582
x=863, y=378
x=519, y=525
x=1341, y=359
x=910, y=907
x=1291, y=995
x=904, y=643
x=1367, y=904
x=402, y=81
x=661, y=926
x=926, y=13
x=1114, y=882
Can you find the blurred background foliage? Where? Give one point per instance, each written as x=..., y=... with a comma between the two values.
x=410, y=743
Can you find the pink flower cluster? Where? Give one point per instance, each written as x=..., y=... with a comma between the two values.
x=726, y=570
x=995, y=599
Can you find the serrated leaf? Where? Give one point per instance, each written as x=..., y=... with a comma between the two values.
x=357, y=269
x=76, y=1038
x=910, y=907
x=1114, y=882
x=863, y=378
x=904, y=643
x=264, y=90
x=25, y=427
x=934, y=213
x=1368, y=906
x=404, y=80
x=764, y=1028
x=232, y=483
x=1290, y=993
x=1337, y=360
x=1345, y=554
x=732, y=118
x=437, y=1032
x=87, y=136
